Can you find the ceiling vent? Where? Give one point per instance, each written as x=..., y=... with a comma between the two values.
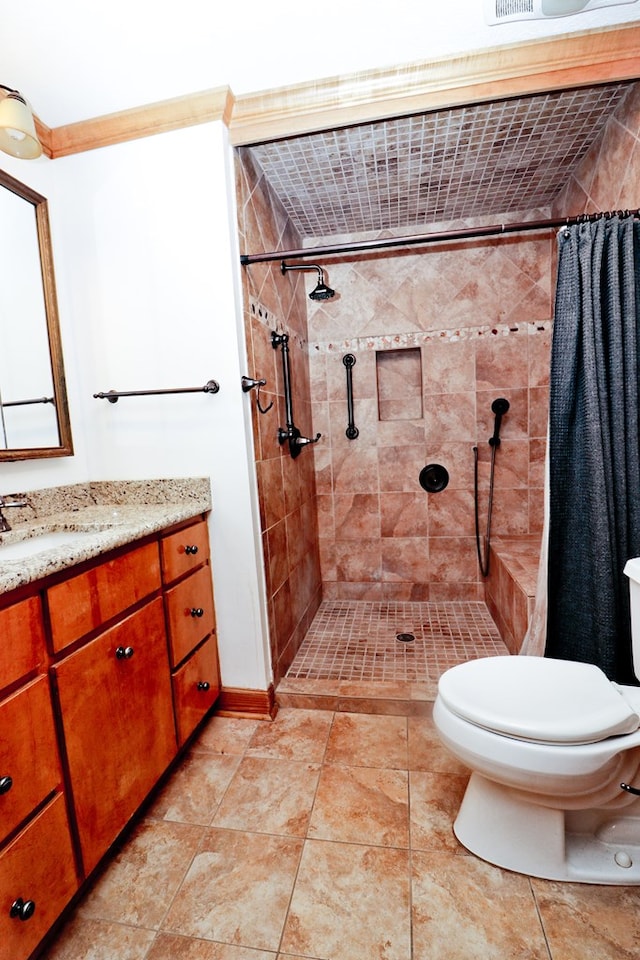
x=502, y=11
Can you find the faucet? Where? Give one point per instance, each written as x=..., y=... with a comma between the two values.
x=5, y=526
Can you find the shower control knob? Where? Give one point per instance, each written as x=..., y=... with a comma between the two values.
x=197, y=612
x=203, y=685
x=191, y=549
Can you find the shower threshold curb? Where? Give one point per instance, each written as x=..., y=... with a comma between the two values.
x=346, y=696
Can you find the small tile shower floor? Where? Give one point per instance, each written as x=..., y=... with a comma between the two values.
x=327, y=836
x=351, y=657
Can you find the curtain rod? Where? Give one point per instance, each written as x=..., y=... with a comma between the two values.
x=468, y=233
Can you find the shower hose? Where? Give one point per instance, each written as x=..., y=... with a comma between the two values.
x=484, y=561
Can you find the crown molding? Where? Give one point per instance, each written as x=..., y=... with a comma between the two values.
x=145, y=121
x=582, y=59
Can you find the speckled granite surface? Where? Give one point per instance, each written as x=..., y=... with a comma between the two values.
x=97, y=517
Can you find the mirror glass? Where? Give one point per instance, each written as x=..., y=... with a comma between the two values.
x=34, y=415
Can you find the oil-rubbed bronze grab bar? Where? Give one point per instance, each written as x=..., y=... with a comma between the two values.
x=24, y=403
x=211, y=386
x=291, y=434
x=350, y=361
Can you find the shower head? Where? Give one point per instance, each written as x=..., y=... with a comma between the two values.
x=321, y=291
x=500, y=406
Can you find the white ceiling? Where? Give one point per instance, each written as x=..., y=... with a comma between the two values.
x=74, y=59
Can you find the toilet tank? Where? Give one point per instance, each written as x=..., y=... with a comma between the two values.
x=632, y=570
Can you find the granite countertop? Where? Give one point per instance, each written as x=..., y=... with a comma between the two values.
x=65, y=525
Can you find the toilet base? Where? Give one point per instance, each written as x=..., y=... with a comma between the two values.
x=580, y=846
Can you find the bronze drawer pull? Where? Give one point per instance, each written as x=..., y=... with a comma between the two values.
x=5, y=784
x=22, y=909
x=203, y=685
x=196, y=612
x=124, y=653
x=191, y=549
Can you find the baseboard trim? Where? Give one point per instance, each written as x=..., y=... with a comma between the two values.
x=254, y=704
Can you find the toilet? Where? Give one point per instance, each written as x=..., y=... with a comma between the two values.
x=550, y=744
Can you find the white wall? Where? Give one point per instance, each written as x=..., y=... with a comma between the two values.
x=146, y=256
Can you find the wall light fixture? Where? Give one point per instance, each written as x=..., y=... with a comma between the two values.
x=18, y=135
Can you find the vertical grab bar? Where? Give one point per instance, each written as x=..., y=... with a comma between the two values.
x=291, y=434
x=350, y=361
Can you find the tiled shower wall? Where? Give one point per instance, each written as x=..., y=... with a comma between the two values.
x=608, y=178
x=462, y=324
x=286, y=487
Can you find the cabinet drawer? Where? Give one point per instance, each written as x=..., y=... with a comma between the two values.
x=190, y=613
x=28, y=753
x=117, y=713
x=81, y=603
x=196, y=686
x=22, y=622
x=184, y=551
x=37, y=866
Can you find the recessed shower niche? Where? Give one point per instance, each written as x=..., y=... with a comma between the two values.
x=399, y=379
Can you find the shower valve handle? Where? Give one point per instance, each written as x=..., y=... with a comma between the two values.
x=303, y=441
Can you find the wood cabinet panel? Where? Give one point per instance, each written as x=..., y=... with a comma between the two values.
x=184, y=551
x=36, y=866
x=22, y=622
x=82, y=603
x=196, y=686
x=118, y=724
x=190, y=613
x=28, y=753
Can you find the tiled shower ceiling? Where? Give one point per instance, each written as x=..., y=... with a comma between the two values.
x=471, y=161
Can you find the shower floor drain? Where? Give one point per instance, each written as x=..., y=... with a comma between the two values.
x=405, y=637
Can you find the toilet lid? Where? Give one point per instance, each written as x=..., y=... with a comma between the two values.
x=538, y=699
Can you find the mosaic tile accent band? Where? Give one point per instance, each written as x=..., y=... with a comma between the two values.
x=407, y=340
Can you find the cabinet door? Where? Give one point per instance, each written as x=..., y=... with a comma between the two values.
x=190, y=613
x=117, y=714
x=184, y=551
x=23, y=623
x=82, y=603
x=37, y=868
x=196, y=686
x=29, y=764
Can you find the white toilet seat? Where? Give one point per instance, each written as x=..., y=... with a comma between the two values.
x=538, y=700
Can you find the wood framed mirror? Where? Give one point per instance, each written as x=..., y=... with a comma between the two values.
x=34, y=412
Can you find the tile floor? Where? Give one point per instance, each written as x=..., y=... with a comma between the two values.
x=327, y=835
x=351, y=658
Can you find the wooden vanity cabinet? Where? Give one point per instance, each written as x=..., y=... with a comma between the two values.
x=118, y=722
x=22, y=646
x=104, y=671
x=81, y=603
x=37, y=866
x=37, y=880
x=191, y=625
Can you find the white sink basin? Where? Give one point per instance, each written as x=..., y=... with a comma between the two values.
x=51, y=540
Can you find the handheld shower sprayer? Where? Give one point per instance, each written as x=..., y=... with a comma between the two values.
x=499, y=407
